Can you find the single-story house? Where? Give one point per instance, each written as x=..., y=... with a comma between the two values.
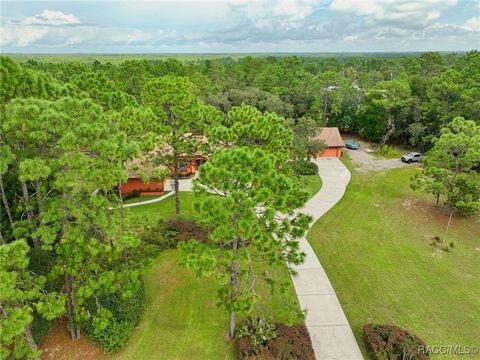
x=188, y=166
x=135, y=183
x=333, y=142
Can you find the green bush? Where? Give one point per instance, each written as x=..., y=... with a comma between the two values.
x=126, y=314
x=389, y=342
x=131, y=195
x=387, y=151
x=166, y=235
x=303, y=167
x=253, y=334
x=40, y=327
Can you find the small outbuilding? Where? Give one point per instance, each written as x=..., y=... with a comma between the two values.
x=333, y=142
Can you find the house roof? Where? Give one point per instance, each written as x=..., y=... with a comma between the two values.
x=331, y=136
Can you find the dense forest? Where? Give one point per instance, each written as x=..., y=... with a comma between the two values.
x=388, y=99
x=68, y=130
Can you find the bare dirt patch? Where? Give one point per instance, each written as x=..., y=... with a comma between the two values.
x=59, y=346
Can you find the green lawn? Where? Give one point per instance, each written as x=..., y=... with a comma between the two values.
x=181, y=319
x=374, y=246
x=140, y=199
x=311, y=183
x=165, y=208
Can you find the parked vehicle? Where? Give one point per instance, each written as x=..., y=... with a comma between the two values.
x=412, y=157
x=351, y=144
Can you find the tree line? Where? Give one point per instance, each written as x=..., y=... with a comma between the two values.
x=403, y=99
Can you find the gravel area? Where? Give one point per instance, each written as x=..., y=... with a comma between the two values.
x=367, y=162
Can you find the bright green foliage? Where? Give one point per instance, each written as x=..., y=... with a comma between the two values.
x=246, y=223
x=451, y=167
x=182, y=117
x=247, y=126
x=20, y=294
x=18, y=82
x=82, y=155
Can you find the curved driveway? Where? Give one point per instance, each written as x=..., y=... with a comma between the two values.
x=331, y=335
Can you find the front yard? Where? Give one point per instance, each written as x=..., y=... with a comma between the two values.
x=181, y=319
x=374, y=246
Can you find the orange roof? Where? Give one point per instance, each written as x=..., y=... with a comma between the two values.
x=330, y=136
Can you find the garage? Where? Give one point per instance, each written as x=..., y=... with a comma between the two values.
x=333, y=141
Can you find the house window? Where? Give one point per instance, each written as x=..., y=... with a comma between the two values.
x=183, y=165
x=200, y=162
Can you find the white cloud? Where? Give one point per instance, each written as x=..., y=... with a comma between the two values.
x=253, y=25
x=401, y=13
x=293, y=10
x=57, y=29
x=51, y=17
x=473, y=24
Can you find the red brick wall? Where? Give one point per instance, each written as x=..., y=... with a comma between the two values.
x=138, y=185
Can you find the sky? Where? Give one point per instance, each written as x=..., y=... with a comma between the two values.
x=239, y=26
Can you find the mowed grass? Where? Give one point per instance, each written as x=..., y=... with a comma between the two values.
x=181, y=319
x=374, y=246
x=311, y=184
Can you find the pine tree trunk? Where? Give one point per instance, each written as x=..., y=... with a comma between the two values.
x=5, y=202
x=26, y=203
x=176, y=182
x=122, y=219
x=73, y=327
x=234, y=287
x=38, y=196
x=29, y=337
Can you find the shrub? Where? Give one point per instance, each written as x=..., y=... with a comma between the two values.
x=40, y=327
x=166, y=235
x=126, y=313
x=387, y=151
x=131, y=195
x=389, y=342
x=290, y=342
x=303, y=167
x=255, y=333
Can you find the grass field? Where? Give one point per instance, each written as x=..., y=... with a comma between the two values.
x=374, y=246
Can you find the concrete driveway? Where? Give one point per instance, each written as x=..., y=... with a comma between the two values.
x=331, y=335
x=367, y=162
x=184, y=184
